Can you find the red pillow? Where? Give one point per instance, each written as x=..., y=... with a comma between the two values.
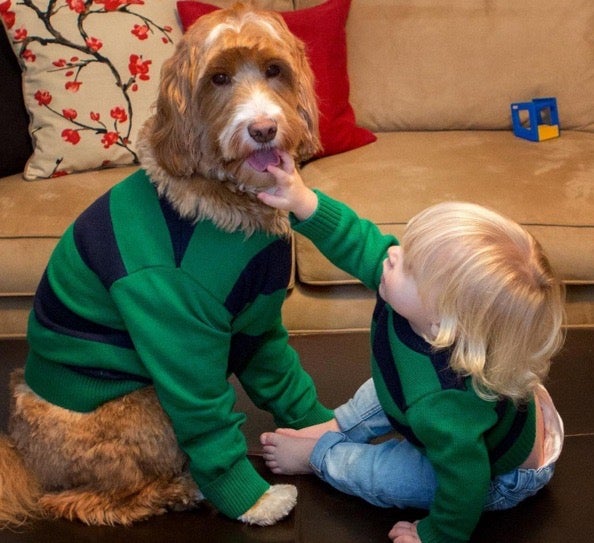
x=322, y=28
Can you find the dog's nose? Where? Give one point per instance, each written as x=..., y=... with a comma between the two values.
x=262, y=131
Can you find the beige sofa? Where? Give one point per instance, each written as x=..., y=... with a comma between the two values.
x=435, y=82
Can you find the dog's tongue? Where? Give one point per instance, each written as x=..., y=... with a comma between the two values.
x=260, y=160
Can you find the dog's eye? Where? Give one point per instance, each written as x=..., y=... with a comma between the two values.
x=221, y=79
x=273, y=70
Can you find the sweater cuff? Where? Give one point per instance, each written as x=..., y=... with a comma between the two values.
x=238, y=489
x=428, y=533
x=316, y=415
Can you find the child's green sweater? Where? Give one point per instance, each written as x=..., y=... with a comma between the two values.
x=467, y=439
x=133, y=295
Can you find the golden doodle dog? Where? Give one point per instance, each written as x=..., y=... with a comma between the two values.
x=160, y=290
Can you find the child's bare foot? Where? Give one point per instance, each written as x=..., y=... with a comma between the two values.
x=285, y=454
x=315, y=432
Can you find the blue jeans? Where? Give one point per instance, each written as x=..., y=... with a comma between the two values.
x=394, y=473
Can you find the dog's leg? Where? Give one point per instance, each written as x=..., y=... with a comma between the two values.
x=115, y=465
x=96, y=508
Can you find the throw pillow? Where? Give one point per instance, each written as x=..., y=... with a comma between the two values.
x=322, y=28
x=90, y=76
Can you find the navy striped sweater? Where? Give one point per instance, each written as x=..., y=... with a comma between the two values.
x=133, y=295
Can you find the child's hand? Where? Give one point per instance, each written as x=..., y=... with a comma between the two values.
x=404, y=532
x=289, y=193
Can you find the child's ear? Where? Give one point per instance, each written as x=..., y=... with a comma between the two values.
x=434, y=329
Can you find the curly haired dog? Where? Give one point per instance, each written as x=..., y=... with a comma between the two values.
x=160, y=290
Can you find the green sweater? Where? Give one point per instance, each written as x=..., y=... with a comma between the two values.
x=467, y=439
x=133, y=295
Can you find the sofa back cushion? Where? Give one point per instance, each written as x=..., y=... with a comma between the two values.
x=427, y=65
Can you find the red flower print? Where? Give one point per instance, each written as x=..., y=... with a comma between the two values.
x=70, y=114
x=73, y=86
x=60, y=63
x=8, y=17
x=119, y=114
x=43, y=97
x=139, y=68
x=110, y=5
x=141, y=31
x=77, y=6
x=20, y=34
x=28, y=55
x=71, y=136
x=94, y=44
x=109, y=139
x=95, y=116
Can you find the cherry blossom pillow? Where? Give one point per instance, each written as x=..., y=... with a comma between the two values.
x=90, y=77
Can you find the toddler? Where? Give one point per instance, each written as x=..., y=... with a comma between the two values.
x=468, y=316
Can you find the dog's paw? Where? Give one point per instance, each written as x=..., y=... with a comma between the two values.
x=276, y=503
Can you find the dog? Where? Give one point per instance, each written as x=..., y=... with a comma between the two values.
x=164, y=287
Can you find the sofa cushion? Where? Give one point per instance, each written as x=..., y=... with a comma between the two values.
x=32, y=221
x=547, y=187
x=322, y=29
x=460, y=64
x=90, y=75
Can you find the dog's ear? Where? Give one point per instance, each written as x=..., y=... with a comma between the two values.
x=172, y=129
x=308, y=105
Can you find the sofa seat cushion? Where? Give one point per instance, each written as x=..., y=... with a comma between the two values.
x=34, y=215
x=547, y=187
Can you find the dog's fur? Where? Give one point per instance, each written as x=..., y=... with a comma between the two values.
x=237, y=88
x=235, y=73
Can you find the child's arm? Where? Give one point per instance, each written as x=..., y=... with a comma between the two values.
x=290, y=193
x=353, y=244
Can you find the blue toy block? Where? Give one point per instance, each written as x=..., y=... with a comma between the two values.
x=543, y=119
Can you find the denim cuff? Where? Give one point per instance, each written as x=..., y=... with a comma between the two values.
x=326, y=442
x=362, y=417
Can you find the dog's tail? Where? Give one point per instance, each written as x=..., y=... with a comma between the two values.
x=19, y=489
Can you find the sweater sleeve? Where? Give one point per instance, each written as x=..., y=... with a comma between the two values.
x=275, y=381
x=189, y=373
x=451, y=425
x=353, y=244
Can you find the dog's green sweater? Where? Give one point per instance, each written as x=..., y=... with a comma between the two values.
x=467, y=439
x=135, y=296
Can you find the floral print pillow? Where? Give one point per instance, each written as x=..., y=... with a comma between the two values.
x=90, y=76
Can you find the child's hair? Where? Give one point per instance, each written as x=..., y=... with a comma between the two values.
x=499, y=305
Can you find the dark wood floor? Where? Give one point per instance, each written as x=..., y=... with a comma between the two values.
x=562, y=512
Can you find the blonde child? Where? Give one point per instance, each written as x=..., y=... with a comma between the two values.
x=468, y=316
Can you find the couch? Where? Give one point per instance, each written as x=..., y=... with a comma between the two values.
x=434, y=83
